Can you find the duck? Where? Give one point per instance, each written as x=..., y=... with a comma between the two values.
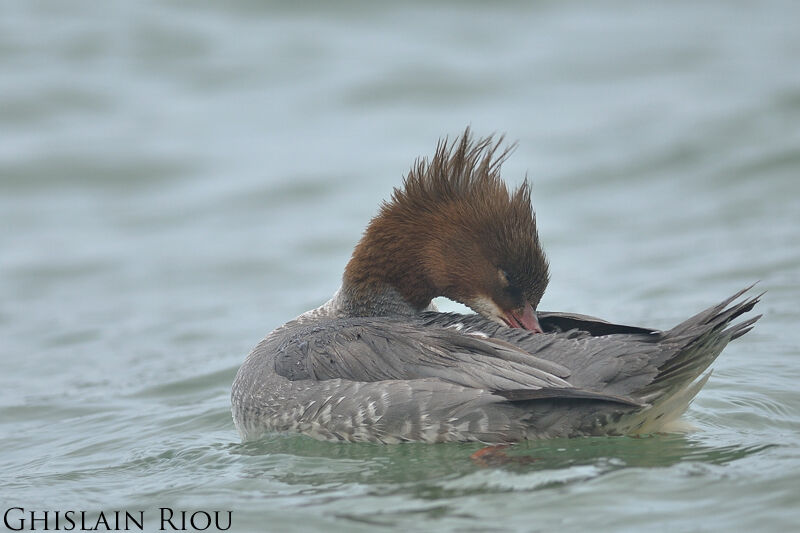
x=379, y=363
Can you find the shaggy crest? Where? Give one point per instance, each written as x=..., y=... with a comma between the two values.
x=464, y=170
x=462, y=181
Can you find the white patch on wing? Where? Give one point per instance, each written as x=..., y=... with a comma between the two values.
x=446, y=305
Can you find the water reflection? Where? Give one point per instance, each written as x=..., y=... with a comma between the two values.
x=317, y=463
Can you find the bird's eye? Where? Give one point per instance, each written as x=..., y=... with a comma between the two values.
x=515, y=294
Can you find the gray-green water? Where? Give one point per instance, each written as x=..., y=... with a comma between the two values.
x=178, y=178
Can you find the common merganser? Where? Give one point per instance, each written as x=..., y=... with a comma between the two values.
x=378, y=363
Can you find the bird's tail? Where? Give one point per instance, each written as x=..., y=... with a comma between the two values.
x=697, y=341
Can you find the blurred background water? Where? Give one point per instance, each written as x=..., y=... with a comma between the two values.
x=178, y=178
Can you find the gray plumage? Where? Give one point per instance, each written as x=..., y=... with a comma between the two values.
x=437, y=377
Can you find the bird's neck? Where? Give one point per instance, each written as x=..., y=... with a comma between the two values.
x=387, y=274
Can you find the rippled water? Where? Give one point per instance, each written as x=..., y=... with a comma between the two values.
x=176, y=179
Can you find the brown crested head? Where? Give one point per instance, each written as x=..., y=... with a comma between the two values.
x=455, y=230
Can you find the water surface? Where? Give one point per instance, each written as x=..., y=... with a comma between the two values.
x=177, y=179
